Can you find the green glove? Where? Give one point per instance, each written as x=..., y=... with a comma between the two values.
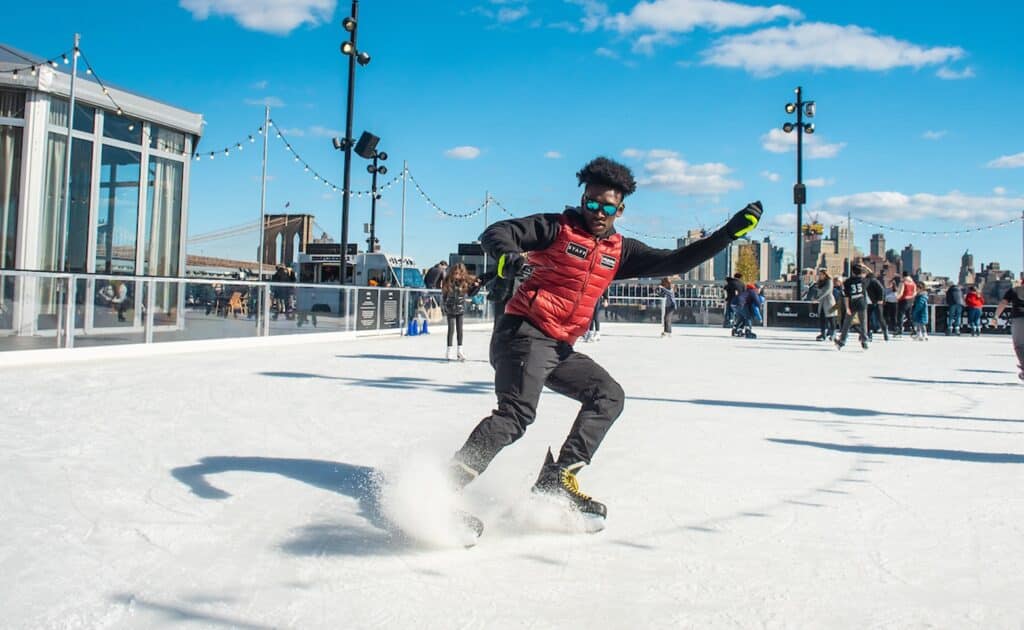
x=745, y=220
x=510, y=264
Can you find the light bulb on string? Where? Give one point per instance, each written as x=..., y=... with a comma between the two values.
x=65, y=58
x=197, y=157
x=226, y=152
x=251, y=139
x=33, y=71
x=88, y=70
x=211, y=155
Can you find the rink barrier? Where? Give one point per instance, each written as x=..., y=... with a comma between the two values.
x=111, y=310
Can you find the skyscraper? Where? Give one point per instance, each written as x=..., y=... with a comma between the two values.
x=911, y=259
x=878, y=245
x=966, y=269
x=704, y=272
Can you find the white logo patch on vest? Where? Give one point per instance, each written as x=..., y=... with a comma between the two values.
x=607, y=261
x=577, y=250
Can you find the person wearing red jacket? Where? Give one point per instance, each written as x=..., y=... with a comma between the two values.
x=573, y=257
x=974, y=302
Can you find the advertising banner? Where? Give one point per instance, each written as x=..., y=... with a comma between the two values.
x=787, y=314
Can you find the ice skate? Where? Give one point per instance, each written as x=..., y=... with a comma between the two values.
x=460, y=356
x=560, y=481
x=864, y=345
x=448, y=354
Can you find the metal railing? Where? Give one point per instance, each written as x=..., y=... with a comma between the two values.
x=64, y=310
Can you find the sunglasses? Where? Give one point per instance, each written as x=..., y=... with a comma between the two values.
x=596, y=206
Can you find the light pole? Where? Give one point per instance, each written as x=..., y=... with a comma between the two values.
x=801, y=108
x=348, y=48
x=374, y=169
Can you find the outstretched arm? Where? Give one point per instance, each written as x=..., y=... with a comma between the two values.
x=514, y=236
x=1002, y=306
x=641, y=261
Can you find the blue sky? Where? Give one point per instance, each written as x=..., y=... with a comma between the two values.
x=918, y=109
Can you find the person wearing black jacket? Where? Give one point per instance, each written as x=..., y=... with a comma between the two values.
x=733, y=287
x=876, y=295
x=573, y=257
x=854, y=303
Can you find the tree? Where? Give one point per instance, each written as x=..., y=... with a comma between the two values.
x=746, y=264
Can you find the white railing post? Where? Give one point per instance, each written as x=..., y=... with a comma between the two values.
x=69, y=313
x=150, y=301
x=265, y=295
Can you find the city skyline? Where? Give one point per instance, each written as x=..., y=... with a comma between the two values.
x=914, y=117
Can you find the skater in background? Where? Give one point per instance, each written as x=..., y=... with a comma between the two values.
x=891, y=309
x=594, y=333
x=837, y=293
x=733, y=287
x=876, y=300
x=665, y=292
x=1013, y=299
x=919, y=313
x=574, y=256
x=973, y=301
x=854, y=303
x=906, y=295
x=955, y=309
x=826, y=306
x=455, y=287
x=748, y=312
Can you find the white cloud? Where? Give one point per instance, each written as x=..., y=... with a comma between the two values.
x=952, y=75
x=644, y=44
x=883, y=206
x=818, y=182
x=260, y=85
x=279, y=17
x=271, y=101
x=606, y=52
x=325, y=132
x=553, y=155
x=594, y=12
x=463, y=153
x=665, y=169
x=296, y=132
x=770, y=176
x=511, y=14
x=1008, y=161
x=820, y=45
x=934, y=135
x=999, y=190
x=683, y=16
x=778, y=141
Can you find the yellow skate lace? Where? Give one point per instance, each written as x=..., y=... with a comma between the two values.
x=569, y=483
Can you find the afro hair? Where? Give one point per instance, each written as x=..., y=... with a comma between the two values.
x=608, y=173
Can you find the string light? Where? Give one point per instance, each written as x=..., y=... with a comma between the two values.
x=442, y=211
x=33, y=66
x=942, y=233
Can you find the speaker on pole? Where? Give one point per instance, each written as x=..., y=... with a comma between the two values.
x=367, y=145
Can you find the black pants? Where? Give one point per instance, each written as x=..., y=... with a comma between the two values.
x=666, y=321
x=860, y=309
x=454, y=325
x=525, y=360
x=595, y=321
x=875, y=315
x=826, y=323
x=903, y=318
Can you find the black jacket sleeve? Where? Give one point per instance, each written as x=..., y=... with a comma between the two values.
x=536, y=231
x=641, y=261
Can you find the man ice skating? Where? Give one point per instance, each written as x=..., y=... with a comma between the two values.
x=573, y=257
x=855, y=303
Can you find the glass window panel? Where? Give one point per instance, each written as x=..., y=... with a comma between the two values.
x=118, y=211
x=85, y=118
x=12, y=104
x=10, y=177
x=81, y=194
x=122, y=128
x=58, y=112
x=163, y=217
x=166, y=139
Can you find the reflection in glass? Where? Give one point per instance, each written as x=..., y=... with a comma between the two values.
x=164, y=139
x=163, y=233
x=121, y=128
x=118, y=211
x=114, y=303
x=10, y=176
x=12, y=104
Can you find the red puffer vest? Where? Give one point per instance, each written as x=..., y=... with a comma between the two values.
x=568, y=278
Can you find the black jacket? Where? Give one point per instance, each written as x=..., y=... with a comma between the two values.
x=638, y=260
x=733, y=287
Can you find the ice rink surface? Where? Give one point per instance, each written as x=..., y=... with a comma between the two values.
x=769, y=483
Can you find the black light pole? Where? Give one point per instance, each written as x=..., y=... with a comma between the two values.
x=374, y=169
x=348, y=48
x=801, y=107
